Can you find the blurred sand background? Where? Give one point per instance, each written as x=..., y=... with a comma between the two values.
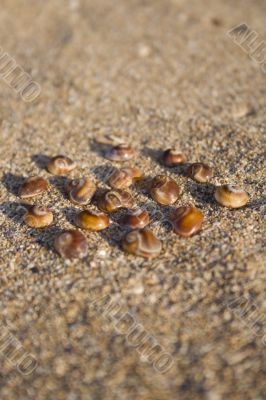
x=158, y=73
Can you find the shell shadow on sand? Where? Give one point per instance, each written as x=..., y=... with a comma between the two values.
x=103, y=172
x=41, y=160
x=202, y=193
x=15, y=212
x=12, y=182
x=156, y=155
x=60, y=183
x=70, y=214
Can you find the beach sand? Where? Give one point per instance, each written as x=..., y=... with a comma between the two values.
x=155, y=73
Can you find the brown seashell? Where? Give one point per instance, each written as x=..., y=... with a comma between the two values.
x=142, y=243
x=33, y=186
x=164, y=190
x=136, y=219
x=92, y=221
x=200, y=172
x=71, y=244
x=81, y=191
x=38, y=217
x=121, y=152
x=61, y=165
x=135, y=173
x=173, y=157
x=113, y=200
x=187, y=220
x=124, y=177
x=231, y=196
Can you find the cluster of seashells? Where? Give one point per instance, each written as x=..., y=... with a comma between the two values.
x=140, y=241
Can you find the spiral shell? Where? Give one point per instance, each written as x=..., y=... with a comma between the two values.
x=231, y=196
x=33, y=186
x=124, y=177
x=187, y=220
x=81, y=191
x=92, y=221
x=136, y=219
x=142, y=243
x=71, y=244
x=164, y=190
x=200, y=172
x=121, y=152
x=173, y=157
x=61, y=165
x=113, y=200
x=38, y=217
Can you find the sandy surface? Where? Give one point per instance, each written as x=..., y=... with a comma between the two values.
x=157, y=73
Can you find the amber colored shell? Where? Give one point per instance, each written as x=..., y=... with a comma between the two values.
x=200, y=172
x=231, y=196
x=92, y=221
x=38, y=217
x=164, y=190
x=136, y=219
x=135, y=173
x=121, y=152
x=187, y=220
x=120, y=179
x=113, y=200
x=173, y=157
x=124, y=177
x=61, y=165
x=71, y=244
x=81, y=190
x=33, y=186
x=142, y=243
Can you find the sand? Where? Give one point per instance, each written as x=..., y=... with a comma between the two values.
x=157, y=73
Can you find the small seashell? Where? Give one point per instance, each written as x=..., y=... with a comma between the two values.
x=142, y=243
x=136, y=219
x=124, y=177
x=33, y=186
x=200, y=172
x=71, y=244
x=231, y=196
x=81, y=191
x=38, y=217
x=61, y=165
x=187, y=220
x=92, y=221
x=121, y=152
x=173, y=157
x=164, y=190
x=113, y=200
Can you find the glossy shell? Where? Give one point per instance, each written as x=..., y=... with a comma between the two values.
x=33, y=186
x=61, y=165
x=200, y=172
x=123, y=178
x=187, y=220
x=71, y=244
x=92, y=221
x=142, y=243
x=121, y=152
x=81, y=191
x=120, y=179
x=231, y=196
x=136, y=219
x=113, y=200
x=38, y=217
x=173, y=157
x=164, y=190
